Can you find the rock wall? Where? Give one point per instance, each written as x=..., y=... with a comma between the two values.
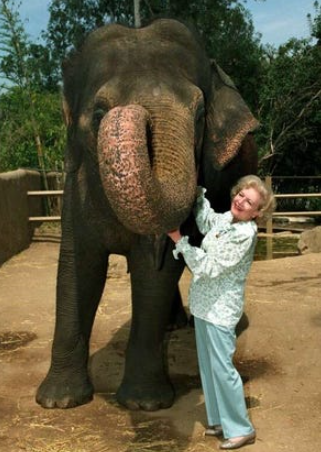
x=310, y=241
x=15, y=208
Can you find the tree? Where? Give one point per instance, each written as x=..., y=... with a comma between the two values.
x=315, y=23
x=290, y=135
x=23, y=63
x=16, y=129
x=14, y=64
x=22, y=113
x=290, y=101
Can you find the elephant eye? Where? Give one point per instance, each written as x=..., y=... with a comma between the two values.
x=98, y=115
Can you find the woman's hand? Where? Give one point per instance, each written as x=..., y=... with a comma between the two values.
x=200, y=191
x=175, y=235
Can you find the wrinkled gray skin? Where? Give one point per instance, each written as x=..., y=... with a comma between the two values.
x=145, y=109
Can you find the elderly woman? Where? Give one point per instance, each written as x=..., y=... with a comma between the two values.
x=216, y=299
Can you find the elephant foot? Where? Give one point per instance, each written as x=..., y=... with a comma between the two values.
x=146, y=397
x=63, y=392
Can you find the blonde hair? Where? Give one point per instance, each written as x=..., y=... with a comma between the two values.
x=268, y=202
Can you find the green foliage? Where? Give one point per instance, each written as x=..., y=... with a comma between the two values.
x=290, y=100
x=14, y=65
x=23, y=63
x=18, y=147
x=315, y=23
x=30, y=134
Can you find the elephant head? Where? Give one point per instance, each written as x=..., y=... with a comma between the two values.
x=148, y=110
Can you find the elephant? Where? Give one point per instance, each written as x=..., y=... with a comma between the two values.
x=149, y=117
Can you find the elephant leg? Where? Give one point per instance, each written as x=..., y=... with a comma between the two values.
x=178, y=317
x=81, y=279
x=80, y=285
x=146, y=384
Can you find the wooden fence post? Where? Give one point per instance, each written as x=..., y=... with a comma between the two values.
x=269, y=226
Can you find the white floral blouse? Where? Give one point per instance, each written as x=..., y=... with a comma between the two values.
x=220, y=266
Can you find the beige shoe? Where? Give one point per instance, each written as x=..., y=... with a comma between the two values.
x=243, y=441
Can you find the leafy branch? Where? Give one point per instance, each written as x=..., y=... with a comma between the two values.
x=15, y=68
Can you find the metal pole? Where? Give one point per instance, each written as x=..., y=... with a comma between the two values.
x=269, y=227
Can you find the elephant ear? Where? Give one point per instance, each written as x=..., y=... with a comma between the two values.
x=228, y=120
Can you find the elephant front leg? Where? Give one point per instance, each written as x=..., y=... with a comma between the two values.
x=146, y=384
x=81, y=279
x=67, y=384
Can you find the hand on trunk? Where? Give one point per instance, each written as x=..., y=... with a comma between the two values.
x=175, y=235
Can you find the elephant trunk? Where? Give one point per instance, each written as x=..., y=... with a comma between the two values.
x=147, y=194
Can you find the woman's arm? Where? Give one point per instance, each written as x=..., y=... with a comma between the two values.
x=228, y=253
x=205, y=216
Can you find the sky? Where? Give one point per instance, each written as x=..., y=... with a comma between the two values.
x=276, y=20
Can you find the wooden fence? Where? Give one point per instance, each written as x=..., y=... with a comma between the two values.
x=304, y=213
x=54, y=193
x=268, y=227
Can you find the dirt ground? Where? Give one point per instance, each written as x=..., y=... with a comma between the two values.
x=279, y=356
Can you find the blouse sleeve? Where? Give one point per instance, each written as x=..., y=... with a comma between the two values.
x=205, y=216
x=229, y=252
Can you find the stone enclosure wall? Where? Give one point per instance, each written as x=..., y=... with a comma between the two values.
x=15, y=208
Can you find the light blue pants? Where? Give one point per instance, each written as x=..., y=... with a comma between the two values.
x=221, y=382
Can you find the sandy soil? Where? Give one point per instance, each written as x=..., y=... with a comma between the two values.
x=278, y=356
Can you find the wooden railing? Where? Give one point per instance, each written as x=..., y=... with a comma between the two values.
x=269, y=224
x=45, y=193
x=268, y=227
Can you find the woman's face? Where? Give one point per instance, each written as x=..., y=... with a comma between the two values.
x=245, y=204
